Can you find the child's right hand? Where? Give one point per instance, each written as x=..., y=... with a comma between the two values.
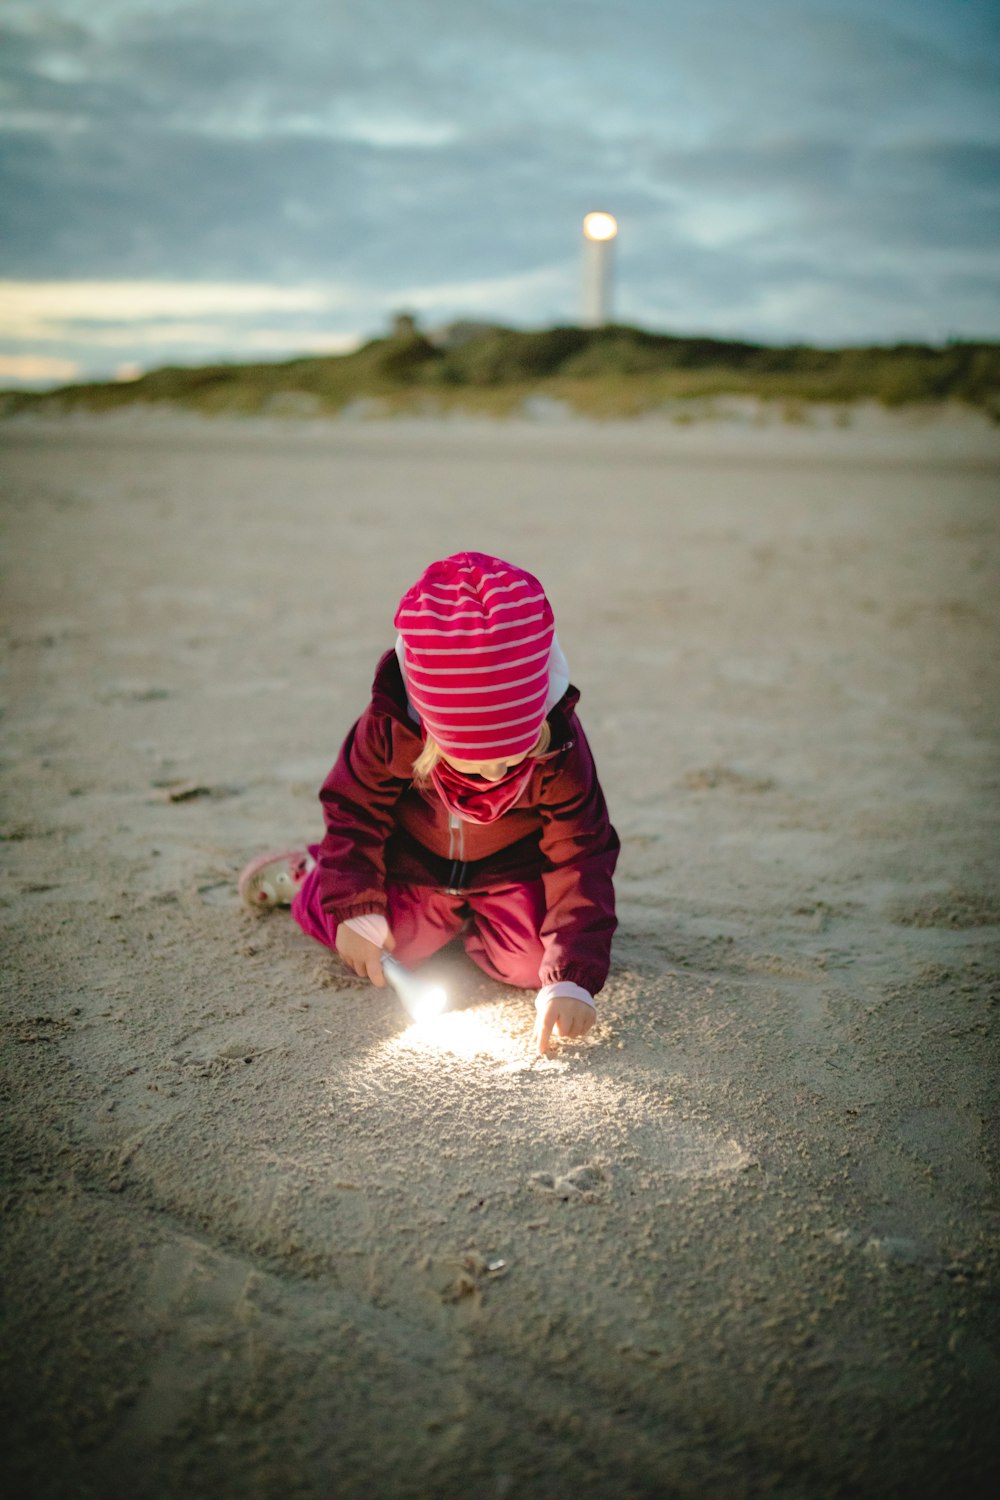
x=364, y=957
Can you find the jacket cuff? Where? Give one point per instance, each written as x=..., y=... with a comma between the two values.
x=585, y=975
x=371, y=907
x=563, y=989
x=372, y=925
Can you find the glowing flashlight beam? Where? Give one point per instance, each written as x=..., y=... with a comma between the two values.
x=421, y=1001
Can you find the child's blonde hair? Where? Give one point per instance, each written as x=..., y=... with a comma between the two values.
x=431, y=753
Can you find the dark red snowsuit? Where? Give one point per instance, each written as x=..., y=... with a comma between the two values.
x=531, y=892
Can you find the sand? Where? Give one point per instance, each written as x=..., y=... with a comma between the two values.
x=262, y=1238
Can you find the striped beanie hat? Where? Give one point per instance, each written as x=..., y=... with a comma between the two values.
x=477, y=634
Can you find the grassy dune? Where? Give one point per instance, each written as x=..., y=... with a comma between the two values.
x=609, y=372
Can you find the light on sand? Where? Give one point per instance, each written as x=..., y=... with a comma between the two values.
x=421, y=1001
x=600, y=226
x=493, y=1033
x=428, y=1005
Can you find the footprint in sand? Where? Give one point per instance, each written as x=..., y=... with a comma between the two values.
x=725, y=778
x=583, y=1182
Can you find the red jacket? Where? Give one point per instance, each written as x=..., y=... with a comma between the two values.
x=379, y=823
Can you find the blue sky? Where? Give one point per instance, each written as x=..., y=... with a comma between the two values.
x=241, y=179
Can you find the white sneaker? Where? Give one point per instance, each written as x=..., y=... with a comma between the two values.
x=273, y=879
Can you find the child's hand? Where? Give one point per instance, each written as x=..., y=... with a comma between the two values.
x=570, y=1018
x=364, y=957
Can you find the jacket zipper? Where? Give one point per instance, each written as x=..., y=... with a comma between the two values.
x=456, y=853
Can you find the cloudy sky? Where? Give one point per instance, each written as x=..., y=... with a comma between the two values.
x=186, y=180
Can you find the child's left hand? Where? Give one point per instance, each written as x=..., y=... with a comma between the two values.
x=570, y=1018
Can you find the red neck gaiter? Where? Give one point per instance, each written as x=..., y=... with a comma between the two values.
x=478, y=801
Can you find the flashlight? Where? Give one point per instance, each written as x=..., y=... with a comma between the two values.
x=421, y=1001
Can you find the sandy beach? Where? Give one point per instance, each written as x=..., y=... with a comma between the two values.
x=260, y=1237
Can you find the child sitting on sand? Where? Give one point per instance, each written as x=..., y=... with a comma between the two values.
x=465, y=801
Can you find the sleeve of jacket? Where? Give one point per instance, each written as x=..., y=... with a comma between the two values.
x=579, y=850
x=358, y=798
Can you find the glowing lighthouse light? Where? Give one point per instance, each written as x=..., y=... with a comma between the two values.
x=600, y=226
x=420, y=1000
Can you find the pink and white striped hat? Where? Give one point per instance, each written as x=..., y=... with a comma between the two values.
x=477, y=633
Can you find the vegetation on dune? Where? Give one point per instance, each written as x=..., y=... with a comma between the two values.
x=612, y=371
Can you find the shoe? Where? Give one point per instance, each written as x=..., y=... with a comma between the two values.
x=273, y=879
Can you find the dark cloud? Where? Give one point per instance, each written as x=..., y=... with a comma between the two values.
x=744, y=170
x=966, y=165
x=927, y=195
x=185, y=206
x=190, y=205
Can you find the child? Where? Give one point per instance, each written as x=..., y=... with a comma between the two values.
x=465, y=801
